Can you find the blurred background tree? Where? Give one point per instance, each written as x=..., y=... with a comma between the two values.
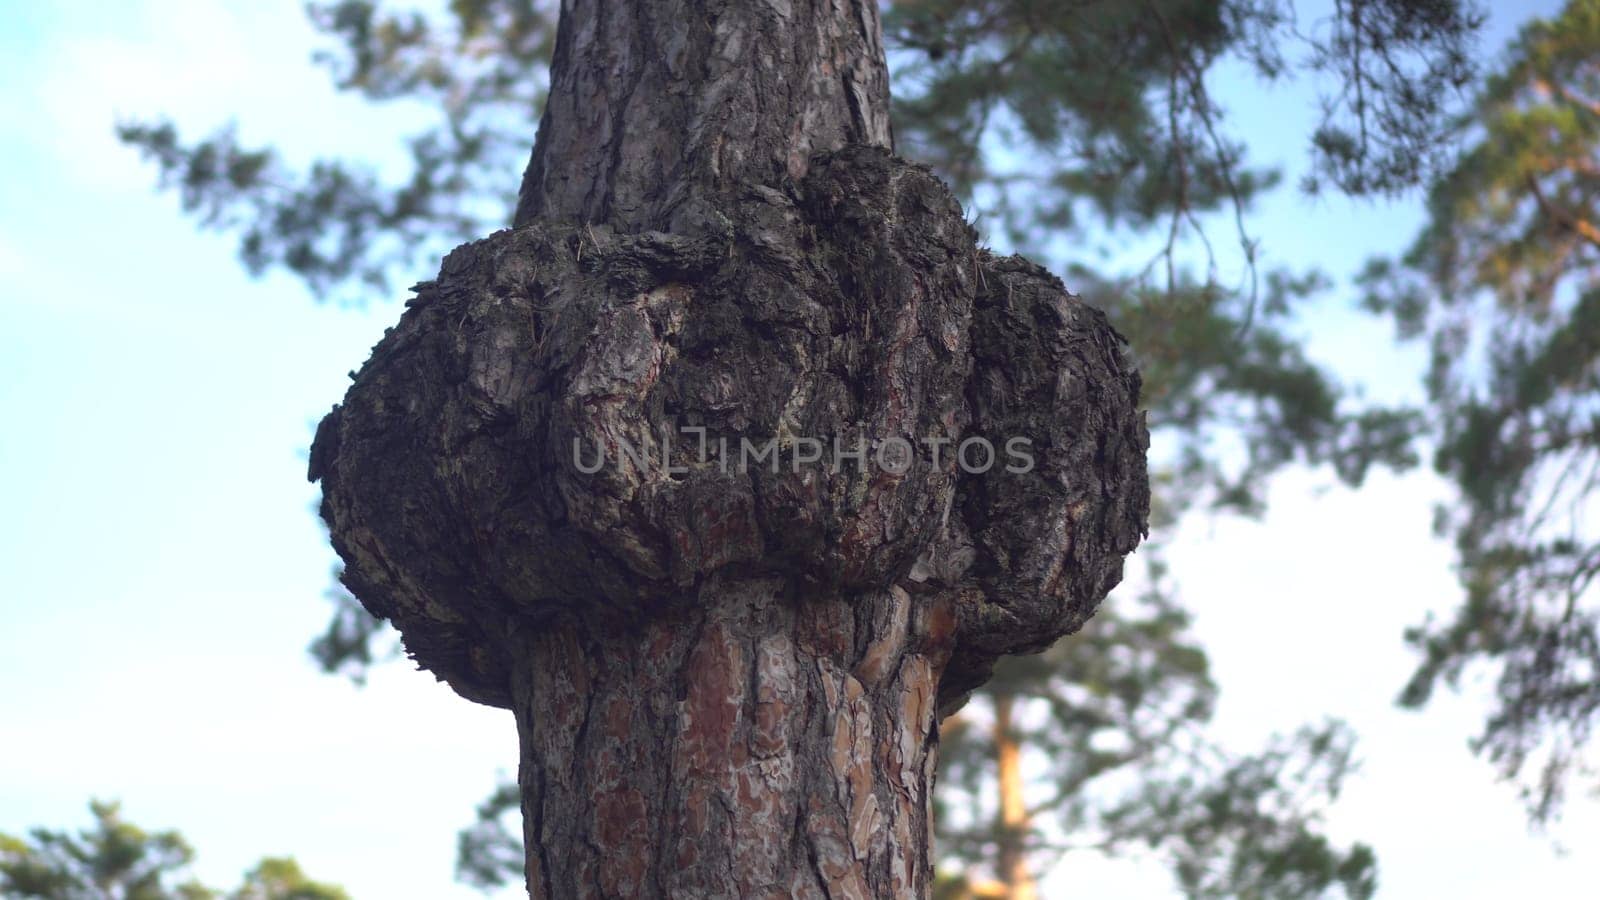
x=1068, y=127
x=116, y=860
x=1504, y=287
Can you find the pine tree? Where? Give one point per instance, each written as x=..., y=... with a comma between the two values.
x=1502, y=286
x=117, y=860
x=1108, y=107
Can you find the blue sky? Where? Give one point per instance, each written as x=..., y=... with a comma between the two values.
x=161, y=571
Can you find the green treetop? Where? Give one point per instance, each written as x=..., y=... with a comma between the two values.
x=1504, y=286
x=117, y=860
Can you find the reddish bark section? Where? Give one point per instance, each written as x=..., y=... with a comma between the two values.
x=758, y=745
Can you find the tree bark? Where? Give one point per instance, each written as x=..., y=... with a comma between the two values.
x=654, y=106
x=726, y=679
x=748, y=752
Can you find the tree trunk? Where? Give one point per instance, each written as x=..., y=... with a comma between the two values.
x=746, y=753
x=1015, y=823
x=726, y=679
x=657, y=107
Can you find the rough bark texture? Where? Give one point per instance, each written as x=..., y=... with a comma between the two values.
x=727, y=672
x=739, y=747
x=656, y=107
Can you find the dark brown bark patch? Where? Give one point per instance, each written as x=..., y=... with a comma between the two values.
x=850, y=309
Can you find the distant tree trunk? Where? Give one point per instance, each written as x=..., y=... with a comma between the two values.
x=726, y=682
x=1015, y=823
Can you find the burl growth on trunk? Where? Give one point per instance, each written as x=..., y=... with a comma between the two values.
x=729, y=491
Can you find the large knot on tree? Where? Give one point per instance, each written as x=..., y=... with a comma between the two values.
x=729, y=515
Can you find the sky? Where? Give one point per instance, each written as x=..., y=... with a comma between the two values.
x=161, y=570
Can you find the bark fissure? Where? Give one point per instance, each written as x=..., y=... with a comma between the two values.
x=538, y=859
